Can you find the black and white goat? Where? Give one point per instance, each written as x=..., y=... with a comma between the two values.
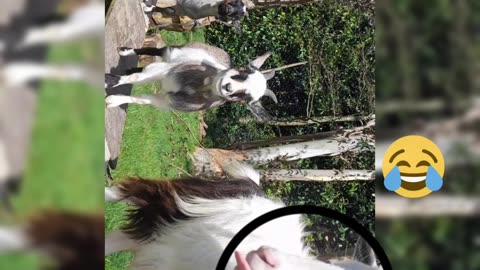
x=84, y=22
x=224, y=10
x=195, y=77
x=17, y=74
x=187, y=223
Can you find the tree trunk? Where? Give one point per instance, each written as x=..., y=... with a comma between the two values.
x=318, y=175
x=209, y=162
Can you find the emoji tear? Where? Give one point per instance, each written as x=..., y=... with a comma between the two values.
x=434, y=180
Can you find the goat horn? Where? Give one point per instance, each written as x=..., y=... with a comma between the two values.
x=269, y=93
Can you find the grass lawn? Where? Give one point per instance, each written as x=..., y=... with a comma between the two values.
x=65, y=168
x=156, y=144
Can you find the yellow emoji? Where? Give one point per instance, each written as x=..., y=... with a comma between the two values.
x=413, y=167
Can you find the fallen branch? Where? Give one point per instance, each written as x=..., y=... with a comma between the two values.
x=417, y=106
x=318, y=175
x=392, y=206
x=285, y=67
x=309, y=121
x=281, y=140
x=260, y=4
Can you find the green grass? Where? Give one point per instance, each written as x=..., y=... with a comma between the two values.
x=179, y=38
x=64, y=168
x=156, y=144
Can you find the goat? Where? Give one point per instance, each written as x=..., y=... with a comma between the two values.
x=7, y=182
x=17, y=74
x=225, y=10
x=195, y=77
x=70, y=240
x=187, y=223
x=86, y=21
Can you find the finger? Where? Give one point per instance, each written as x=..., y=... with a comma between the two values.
x=267, y=254
x=242, y=263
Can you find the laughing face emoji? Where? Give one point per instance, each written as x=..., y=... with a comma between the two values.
x=413, y=167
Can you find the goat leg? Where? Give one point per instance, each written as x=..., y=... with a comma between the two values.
x=152, y=51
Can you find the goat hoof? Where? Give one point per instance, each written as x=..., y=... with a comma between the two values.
x=148, y=9
x=125, y=51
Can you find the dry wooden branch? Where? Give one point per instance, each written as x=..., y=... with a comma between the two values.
x=260, y=4
x=309, y=121
x=281, y=140
x=284, y=67
x=318, y=175
x=417, y=106
x=389, y=207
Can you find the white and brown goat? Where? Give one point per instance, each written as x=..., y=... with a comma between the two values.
x=195, y=77
x=187, y=223
x=68, y=240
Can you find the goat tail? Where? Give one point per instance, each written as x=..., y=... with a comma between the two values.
x=139, y=192
x=157, y=204
x=241, y=170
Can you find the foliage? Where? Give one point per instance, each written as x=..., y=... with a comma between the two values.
x=430, y=51
x=337, y=40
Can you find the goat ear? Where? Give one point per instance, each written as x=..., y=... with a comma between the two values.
x=269, y=93
x=364, y=253
x=258, y=62
x=269, y=75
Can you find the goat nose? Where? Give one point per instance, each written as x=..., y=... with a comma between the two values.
x=228, y=87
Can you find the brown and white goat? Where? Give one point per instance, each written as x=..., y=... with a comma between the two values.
x=195, y=77
x=71, y=241
x=187, y=223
